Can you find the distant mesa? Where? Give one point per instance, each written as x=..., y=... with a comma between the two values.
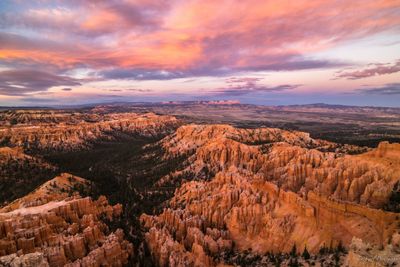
x=211, y=102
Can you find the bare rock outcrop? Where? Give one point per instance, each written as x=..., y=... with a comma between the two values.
x=292, y=160
x=76, y=132
x=50, y=228
x=26, y=260
x=190, y=137
x=57, y=189
x=268, y=190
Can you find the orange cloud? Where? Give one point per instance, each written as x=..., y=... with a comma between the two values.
x=101, y=20
x=197, y=36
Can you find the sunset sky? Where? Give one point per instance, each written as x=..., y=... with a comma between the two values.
x=255, y=51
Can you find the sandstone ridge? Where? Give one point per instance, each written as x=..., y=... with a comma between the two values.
x=269, y=189
x=50, y=228
x=77, y=131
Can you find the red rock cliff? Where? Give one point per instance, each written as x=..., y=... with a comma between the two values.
x=272, y=189
x=48, y=228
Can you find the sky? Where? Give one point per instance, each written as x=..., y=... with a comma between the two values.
x=68, y=52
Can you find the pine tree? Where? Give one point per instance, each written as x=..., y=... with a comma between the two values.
x=322, y=250
x=306, y=254
x=336, y=257
x=341, y=248
x=293, y=252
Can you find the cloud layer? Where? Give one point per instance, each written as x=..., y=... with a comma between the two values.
x=21, y=82
x=371, y=70
x=71, y=43
x=149, y=39
x=387, y=89
x=247, y=85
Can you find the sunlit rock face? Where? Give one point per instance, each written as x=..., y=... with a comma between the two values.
x=266, y=190
x=55, y=226
x=69, y=131
x=238, y=192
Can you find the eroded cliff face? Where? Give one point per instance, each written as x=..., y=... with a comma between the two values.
x=291, y=160
x=77, y=131
x=54, y=226
x=192, y=136
x=239, y=192
x=267, y=190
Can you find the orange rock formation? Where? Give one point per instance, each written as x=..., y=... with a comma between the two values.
x=76, y=131
x=272, y=189
x=48, y=228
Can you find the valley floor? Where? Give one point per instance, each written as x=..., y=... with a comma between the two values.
x=192, y=194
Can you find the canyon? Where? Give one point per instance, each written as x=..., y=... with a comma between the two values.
x=358, y=125
x=63, y=131
x=165, y=191
x=271, y=197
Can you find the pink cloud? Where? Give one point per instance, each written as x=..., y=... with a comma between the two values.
x=375, y=70
x=246, y=85
x=150, y=39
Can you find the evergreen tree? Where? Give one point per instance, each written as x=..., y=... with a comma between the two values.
x=322, y=250
x=306, y=254
x=336, y=257
x=278, y=260
x=341, y=248
x=293, y=252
